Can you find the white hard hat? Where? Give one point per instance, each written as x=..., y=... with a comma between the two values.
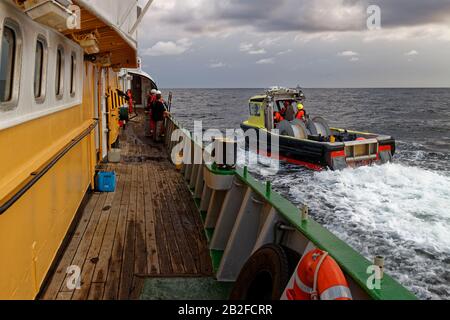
x=153, y=91
x=158, y=92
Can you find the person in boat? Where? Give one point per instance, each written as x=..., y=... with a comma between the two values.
x=301, y=114
x=285, y=108
x=280, y=115
x=159, y=111
x=291, y=110
x=277, y=117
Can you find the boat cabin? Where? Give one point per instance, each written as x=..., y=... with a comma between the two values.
x=310, y=141
x=262, y=108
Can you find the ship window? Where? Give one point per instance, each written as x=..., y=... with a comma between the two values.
x=40, y=70
x=59, y=83
x=7, y=64
x=255, y=109
x=73, y=67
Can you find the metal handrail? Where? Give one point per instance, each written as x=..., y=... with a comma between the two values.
x=37, y=175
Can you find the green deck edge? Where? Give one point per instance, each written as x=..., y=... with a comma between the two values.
x=350, y=261
x=354, y=264
x=209, y=232
x=181, y=288
x=203, y=216
x=216, y=258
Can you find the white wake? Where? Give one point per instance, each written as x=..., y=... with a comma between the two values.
x=397, y=211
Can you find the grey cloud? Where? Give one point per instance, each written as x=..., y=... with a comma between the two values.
x=413, y=12
x=216, y=29
x=291, y=15
x=304, y=15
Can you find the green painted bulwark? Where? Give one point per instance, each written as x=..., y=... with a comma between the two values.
x=209, y=234
x=216, y=258
x=220, y=172
x=203, y=216
x=351, y=262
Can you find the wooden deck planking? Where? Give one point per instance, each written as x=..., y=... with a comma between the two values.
x=126, y=276
x=196, y=225
x=148, y=227
x=177, y=216
x=104, y=258
x=140, y=262
x=174, y=235
x=116, y=258
x=189, y=225
x=85, y=243
x=59, y=274
x=92, y=257
x=165, y=265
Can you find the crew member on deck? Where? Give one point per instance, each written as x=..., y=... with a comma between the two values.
x=158, y=112
x=130, y=101
x=149, y=124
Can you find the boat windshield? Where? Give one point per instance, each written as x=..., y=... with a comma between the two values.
x=281, y=105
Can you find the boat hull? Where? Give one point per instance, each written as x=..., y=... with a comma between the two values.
x=319, y=155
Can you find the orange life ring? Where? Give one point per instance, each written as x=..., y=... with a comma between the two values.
x=319, y=277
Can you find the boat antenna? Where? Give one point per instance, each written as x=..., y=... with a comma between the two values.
x=169, y=101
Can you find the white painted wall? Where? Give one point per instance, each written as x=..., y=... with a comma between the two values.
x=115, y=13
x=27, y=108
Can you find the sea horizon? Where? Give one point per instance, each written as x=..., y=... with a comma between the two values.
x=332, y=88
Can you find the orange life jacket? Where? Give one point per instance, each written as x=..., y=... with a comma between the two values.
x=300, y=115
x=278, y=117
x=130, y=102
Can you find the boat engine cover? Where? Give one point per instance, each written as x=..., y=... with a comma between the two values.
x=293, y=129
x=322, y=126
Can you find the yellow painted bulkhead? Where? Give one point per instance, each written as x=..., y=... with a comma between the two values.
x=31, y=135
x=32, y=230
x=113, y=104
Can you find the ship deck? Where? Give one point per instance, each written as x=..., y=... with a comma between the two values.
x=148, y=227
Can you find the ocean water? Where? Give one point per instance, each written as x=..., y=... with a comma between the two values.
x=399, y=210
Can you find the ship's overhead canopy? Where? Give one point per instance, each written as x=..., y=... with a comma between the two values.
x=142, y=74
x=115, y=23
x=105, y=28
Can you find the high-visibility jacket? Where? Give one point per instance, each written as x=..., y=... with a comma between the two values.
x=130, y=102
x=278, y=117
x=300, y=115
x=150, y=100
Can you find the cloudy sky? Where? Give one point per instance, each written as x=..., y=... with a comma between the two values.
x=313, y=43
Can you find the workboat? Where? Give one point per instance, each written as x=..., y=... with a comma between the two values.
x=81, y=219
x=310, y=141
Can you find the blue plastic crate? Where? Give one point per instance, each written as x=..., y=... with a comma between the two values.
x=106, y=181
